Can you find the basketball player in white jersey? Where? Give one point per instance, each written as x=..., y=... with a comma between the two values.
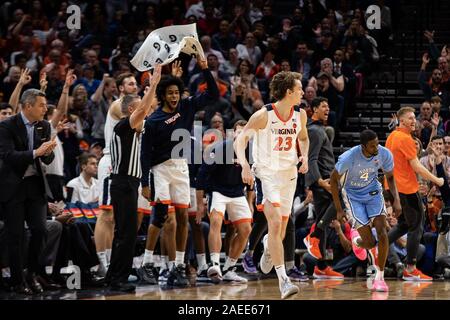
x=104, y=229
x=277, y=130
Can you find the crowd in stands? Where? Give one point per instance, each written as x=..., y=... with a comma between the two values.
x=245, y=44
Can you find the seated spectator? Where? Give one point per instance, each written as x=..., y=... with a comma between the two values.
x=443, y=65
x=205, y=41
x=326, y=90
x=426, y=123
x=355, y=58
x=208, y=24
x=447, y=145
x=249, y=50
x=436, y=106
x=267, y=68
x=176, y=17
x=84, y=187
x=91, y=58
x=301, y=62
x=326, y=49
x=87, y=79
x=6, y=111
x=230, y=66
x=224, y=40
x=270, y=21
x=435, y=86
x=336, y=80
x=285, y=65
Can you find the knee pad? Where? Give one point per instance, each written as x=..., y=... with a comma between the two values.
x=160, y=214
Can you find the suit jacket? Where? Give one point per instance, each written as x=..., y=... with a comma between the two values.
x=15, y=156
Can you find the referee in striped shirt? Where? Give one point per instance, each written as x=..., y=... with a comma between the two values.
x=125, y=179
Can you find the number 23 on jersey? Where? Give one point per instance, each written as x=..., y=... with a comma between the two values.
x=283, y=144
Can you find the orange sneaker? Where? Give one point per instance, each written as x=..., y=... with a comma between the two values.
x=312, y=245
x=416, y=275
x=327, y=273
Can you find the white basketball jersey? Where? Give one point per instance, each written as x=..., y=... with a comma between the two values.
x=275, y=146
x=110, y=123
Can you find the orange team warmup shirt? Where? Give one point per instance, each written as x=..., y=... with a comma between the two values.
x=403, y=148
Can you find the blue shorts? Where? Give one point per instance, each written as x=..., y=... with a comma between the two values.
x=364, y=211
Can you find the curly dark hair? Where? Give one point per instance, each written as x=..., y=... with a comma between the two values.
x=281, y=82
x=167, y=81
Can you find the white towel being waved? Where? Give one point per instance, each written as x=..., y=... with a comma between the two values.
x=163, y=45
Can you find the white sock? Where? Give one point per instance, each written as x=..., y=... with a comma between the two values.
x=164, y=260
x=179, y=257
x=102, y=258
x=108, y=255
x=379, y=275
x=215, y=258
x=229, y=263
x=281, y=273
x=289, y=264
x=201, y=260
x=148, y=257
x=170, y=264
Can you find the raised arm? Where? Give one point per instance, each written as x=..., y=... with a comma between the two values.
x=99, y=92
x=63, y=103
x=24, y=79
x=145, y=107
x=256, y=122
x=211, y=93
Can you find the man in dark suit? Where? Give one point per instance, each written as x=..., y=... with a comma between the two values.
x=25, y=143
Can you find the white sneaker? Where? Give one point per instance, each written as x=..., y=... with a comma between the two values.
x=231, y=275
x=287, y=289
x=265, y=263
x=215, y=274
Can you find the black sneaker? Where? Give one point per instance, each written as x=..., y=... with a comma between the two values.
x=177, y=276
x=148, y=274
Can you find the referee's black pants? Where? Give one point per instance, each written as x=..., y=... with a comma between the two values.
x=124, y=198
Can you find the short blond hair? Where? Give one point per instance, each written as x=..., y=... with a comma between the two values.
x=405, y=110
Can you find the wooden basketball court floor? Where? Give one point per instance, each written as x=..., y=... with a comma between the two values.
x=267, y=289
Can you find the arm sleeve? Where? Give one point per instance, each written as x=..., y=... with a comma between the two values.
x=344, y=163
x=315, y=144
x=146, y=153
x=408, y=149
x=199, y=101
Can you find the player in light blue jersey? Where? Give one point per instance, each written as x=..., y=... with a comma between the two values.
x=357, y=173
